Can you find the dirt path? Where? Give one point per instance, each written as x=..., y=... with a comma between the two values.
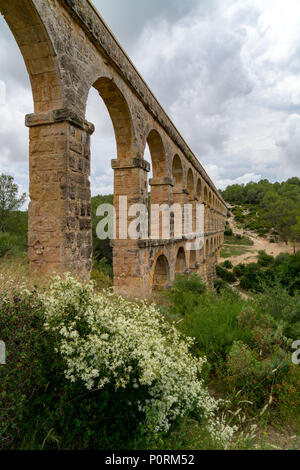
x=259, y=243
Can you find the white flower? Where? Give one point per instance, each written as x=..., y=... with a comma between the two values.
x=107, y=339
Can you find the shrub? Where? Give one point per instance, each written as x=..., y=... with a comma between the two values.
x=225, y=275
x=242, y=362
x=282, y=258
x=255, y=376
x=239, y=270
x=228, y=232
x=278, y=303
x=264, y=259
x=21, y=328
x=106, y=341
x=214, y=324
x=127, y=372
x=189, y=283
x=252, y=278
x=227, y=264
x=220, y=285
x=9, y=244
x=262, y=231
x=102, y=274
x=185, y=293
x=287, y=394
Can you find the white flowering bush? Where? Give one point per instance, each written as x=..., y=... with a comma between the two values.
x=105, y=340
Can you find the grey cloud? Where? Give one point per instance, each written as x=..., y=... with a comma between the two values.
x=197, y=74
x=289, y=144
x=128, y=18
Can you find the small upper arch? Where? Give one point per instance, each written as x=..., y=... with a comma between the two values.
x=190, y=183
x=158, y=154
x=161, y=273
x=180, y=264
x=177, y=171
x=199, y=190
x=205, y=195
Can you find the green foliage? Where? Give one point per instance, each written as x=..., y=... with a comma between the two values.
x=287, y=394
x=239, y=270
x=226, y=275
x=214, y=325
x=209, y=318
x=277, y=302
x=10, y=201
x=39, y=408
x=256, y=368
x=238, y=240
x=184, y=293
x=227, y=264
x=10, y=244
x=256, y=375
x=230, y=250
x=220, y=285
x=264, y=259
x=102, y=274
x=267, y=206
x=252, y=278
x=228, y=232
x=145, y=362
x=269, y=271
x=247, y=346
x=101, y=248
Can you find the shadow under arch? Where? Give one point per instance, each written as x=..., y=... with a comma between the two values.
x=199, y=190
x=180, y=265
x=38, y=53
x=192, y=261
x=177, y=171
x=158, y=154
x=205, y=195
x=161, y=273
x=119, y=112
x=207, y=250
x=190, y=184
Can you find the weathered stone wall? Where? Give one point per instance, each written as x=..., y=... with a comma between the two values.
x=68, y=49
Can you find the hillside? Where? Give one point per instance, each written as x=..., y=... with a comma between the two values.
x=244, y=245
x=270, y=210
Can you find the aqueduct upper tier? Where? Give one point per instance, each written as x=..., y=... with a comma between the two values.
x=67, y=49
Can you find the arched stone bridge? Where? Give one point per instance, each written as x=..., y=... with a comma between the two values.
x=68, y=49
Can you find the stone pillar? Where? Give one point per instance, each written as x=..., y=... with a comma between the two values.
x=59, y=216
x=130, y=181
x=180, y=196
x=161, y=193
x=206, y=218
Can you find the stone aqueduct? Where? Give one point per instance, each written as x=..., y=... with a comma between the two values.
x=68, y=49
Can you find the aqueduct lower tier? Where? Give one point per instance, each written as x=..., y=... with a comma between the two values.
x=67, y=49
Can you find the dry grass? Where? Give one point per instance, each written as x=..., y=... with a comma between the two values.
x=14, y=274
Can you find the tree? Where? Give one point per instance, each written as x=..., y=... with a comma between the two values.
x=10, y=200
x=295, y=229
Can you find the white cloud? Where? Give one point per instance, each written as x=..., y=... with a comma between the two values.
x=221, y=183
x=289, y=145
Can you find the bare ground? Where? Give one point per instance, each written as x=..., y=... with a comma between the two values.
x=259, y=243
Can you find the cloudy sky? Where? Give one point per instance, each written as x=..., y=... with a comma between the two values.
x=226, y=71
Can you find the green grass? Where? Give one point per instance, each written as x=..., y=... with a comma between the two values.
x=235, y=240
x=231, y=250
